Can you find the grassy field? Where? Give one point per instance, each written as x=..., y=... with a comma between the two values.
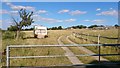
x=40, y=62
x=53, y=35
x=112, y=33
x=29, y=39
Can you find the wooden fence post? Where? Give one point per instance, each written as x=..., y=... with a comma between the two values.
x=99, y=46
x=99, y=39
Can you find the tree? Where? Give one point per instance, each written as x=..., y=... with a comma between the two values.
x=93, y=26
x=28, y=29
x=79, y=27
x=116, y=26
x=59, y=27
x=25, y=21
x=12, y=28
x=54, y=28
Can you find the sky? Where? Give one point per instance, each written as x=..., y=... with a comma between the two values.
x=60, y=0
x=63, y=14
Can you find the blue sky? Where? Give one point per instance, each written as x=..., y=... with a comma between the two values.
x=62, y=13
x=60, y=0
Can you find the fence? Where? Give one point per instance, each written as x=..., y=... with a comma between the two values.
x=33, y=46
x=96, y=38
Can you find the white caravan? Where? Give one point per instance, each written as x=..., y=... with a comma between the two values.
x=40, y=31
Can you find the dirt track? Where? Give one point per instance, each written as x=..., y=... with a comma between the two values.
x=73, y=59
x=87, y=50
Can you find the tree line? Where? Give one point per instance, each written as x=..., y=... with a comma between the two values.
x=14, y=28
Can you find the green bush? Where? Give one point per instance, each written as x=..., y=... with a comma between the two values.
x=12, y=35
x=8, y=35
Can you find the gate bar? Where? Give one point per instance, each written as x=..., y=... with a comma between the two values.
x=69, y=45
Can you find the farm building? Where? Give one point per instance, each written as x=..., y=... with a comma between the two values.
x=99, y=28
x=40, y=31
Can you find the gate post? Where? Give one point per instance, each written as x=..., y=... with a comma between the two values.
x=99, y=47
x=7, y=56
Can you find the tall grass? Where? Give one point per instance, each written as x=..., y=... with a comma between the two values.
x=8, y=35
x=29, y=39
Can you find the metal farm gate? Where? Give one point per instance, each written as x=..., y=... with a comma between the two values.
x=78, y=45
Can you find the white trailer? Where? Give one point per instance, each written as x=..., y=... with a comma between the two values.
x=40, y=31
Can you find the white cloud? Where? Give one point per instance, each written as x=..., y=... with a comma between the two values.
x=111, y=8
x=4, y=12
x=87, y=20
x=10, y=4
x=77, y=12
x=109, y=13
x=18, y=7
x=41, y=12
x=96, y=21
x=70, y=20
x=33, y=24
x=98, y=9
x=0, y=23
x=8, y=21
x=22, y=7
x=14, y=12
x=63, y=11
x=9, y=12
x=48, y=20
x=51, y=20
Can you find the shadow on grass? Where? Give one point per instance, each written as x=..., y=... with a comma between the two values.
x=30, y=38
x=34, y=37
x=93, y=64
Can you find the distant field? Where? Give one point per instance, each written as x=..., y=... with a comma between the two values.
x=53, y=35
x=113, y=33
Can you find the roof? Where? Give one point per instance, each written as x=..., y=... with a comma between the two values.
x=40, y=27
